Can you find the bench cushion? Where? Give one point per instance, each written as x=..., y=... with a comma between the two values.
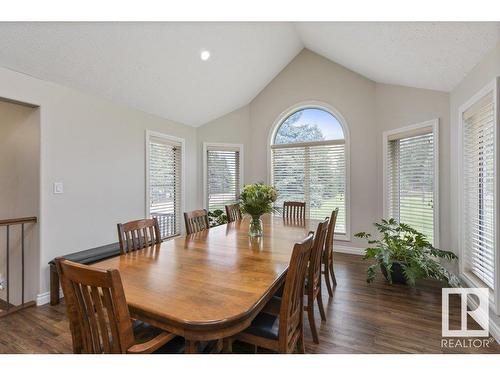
x=93, y=255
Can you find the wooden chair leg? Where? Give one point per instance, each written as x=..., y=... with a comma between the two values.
x=300, y=344
x=333, y=275
x=227, y=345
x=326, y=276
x=319, y=299
x=217, y=348
x=312, y=323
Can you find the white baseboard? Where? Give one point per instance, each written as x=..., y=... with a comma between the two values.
x=44, y=298
x=348, y=250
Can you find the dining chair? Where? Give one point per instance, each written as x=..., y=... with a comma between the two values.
x=294, y=210
x=280, y=325
x=138, y=234
x=99, y=317
x=233, y=212
x=196, y=221
x=327, y=261
x=313, y=281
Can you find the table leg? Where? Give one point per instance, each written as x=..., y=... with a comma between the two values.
x=191, y=347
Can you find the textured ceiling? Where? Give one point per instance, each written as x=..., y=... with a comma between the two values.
x=430, y=55
x=155, y=67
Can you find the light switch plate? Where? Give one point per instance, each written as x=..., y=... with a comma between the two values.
x=58, y=188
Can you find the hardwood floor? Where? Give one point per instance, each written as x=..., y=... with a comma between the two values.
x=361, y=318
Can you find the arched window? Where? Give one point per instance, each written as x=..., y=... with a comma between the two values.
x=309, y=163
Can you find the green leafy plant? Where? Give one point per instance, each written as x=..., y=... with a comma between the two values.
x=217, y=217
x=400, y=243
x=257, y=199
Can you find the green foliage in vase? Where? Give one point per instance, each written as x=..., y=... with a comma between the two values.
x=257, y=199
x=402, y=244
x=217, y=217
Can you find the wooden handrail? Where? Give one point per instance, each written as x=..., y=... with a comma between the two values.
x=20, y=220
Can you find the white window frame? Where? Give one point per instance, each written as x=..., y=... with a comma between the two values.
x=206, y=146
x=469, y=280
x=405, y=132
x=182, y=141
x=343, y=123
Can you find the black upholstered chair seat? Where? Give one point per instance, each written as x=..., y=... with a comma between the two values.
x=264, y=325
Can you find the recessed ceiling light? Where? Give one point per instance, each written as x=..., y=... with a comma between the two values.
x=205, y=55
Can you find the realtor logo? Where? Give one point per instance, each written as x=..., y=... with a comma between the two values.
x=480, y=302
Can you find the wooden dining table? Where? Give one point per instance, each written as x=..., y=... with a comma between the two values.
x=211, y=284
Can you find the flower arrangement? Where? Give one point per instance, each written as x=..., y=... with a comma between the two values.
x=256, y=200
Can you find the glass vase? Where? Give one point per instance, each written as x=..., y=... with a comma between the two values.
x=255, y=228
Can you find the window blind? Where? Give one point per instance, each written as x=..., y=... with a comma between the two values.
x=479, y=189
x=410, y=181
x=165, y=166
x=315, y=174
x=223, y=177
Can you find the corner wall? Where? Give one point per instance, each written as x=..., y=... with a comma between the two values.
x=482, y=74
x=19, y=196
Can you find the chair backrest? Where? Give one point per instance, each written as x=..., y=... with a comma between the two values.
x=196, y=221
x=328, y=252
x=292, y=303
x=138, y=234
x=294, y=210
x=97, y=310
x=314, y=271
x=233, y=212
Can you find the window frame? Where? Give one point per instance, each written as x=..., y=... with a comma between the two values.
x=467, y=277
x=206, y=146
x=182, y=141
x=405, y=132
x=314, y=104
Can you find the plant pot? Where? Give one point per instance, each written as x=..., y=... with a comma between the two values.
x=397, y=274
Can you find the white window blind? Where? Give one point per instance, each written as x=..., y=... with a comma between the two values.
x=410, y=180
x=223, y=176
x=479, y=189
x=312, y=173
x=165, y=166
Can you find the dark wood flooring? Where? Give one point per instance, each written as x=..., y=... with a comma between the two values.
x=361, y=318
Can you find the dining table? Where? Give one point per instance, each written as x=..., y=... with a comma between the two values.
x=211, y=284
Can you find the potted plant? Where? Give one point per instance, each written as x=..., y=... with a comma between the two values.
x=256, y=200
x=217, y=217
x=405, y=255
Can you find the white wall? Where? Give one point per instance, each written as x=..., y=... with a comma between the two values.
x=231, y=128
x=19, y=195
x=398, y=106
x=369, y=109
x=96, y=148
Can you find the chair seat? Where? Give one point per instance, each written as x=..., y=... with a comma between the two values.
x=264, y=325
x=144, y=332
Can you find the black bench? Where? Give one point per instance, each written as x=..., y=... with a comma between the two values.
x=84, y=257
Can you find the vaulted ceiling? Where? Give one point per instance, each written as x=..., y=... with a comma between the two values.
x=156, y=67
